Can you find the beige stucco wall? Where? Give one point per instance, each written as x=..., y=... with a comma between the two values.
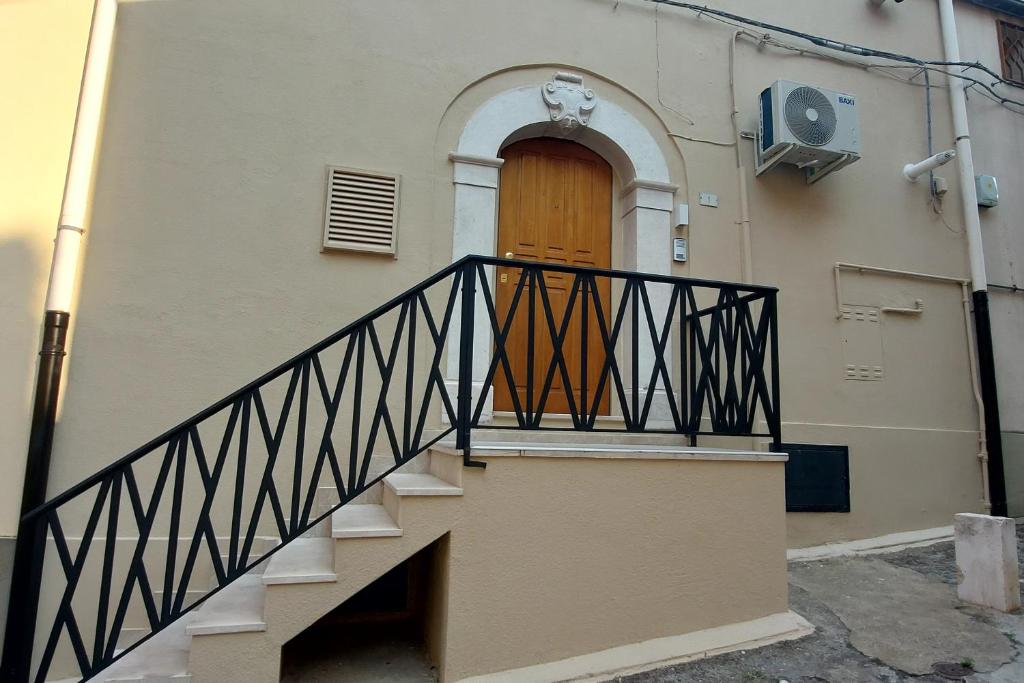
x=622, y=544
x=549, y=558
x=203, y=266
x=997, y=136
x=42, y=48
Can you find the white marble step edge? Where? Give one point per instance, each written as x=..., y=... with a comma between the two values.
x=363, y=521
x=304, y=560
x=238, y=608
x=161, y=659
x=402, y=484
x=154, y=678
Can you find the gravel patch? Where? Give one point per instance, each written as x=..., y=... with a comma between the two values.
x=938, y=561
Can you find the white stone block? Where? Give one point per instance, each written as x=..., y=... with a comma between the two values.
x=986, y=561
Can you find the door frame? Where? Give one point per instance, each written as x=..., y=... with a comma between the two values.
x=642, y=211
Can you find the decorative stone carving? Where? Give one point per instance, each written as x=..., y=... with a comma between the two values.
x=569, y=102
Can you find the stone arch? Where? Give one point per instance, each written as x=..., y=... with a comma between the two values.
x=562, y=108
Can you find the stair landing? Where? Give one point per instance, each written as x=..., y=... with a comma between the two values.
x=597, y=449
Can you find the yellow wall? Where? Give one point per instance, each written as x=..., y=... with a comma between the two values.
x=42, y=48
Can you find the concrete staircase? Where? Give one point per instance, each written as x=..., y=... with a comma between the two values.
x=625, y=487
x=226, y=639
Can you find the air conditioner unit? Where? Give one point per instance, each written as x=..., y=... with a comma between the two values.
x=812, y=128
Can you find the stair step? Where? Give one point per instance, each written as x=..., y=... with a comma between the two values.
x=483, y=436
x=261, y=546
x=161, y=659
x=420, y=485
x=174, y=678
x=363, y=521
x=238, y=608
x=304, y=560
x=130, y=635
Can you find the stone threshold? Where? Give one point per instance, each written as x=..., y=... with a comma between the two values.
x=613, y=451
x=609, y=664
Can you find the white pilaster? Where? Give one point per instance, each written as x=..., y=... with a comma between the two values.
x=475, y=232
x=647, y=227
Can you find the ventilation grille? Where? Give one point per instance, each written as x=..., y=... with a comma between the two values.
x=810, y=116
x=362, y=211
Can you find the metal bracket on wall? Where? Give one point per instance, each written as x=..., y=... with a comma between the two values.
x=814, y=176
x=775, y=160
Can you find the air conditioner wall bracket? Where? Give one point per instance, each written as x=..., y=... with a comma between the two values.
x=845, y=160
x=775, y=160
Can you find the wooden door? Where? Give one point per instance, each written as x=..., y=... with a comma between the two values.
x=555, y=206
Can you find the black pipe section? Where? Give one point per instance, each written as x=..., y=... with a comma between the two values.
x=31, y=543
x=990, y=397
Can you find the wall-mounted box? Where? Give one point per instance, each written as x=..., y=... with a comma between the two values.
x=681, y=216
x=679, y=250
x=988, y=190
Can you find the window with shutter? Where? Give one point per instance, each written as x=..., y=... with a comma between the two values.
x=362, y=211
x=1011, y=47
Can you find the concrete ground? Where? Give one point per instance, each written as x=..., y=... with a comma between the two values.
x=887, y=617
x=362, y=653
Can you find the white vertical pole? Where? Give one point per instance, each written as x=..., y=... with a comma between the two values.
x=965, y=160
x=64, y=268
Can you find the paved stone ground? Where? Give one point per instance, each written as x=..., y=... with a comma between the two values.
x=878, y=618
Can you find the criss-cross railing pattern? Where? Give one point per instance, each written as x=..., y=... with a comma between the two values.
x=133, y=548
x=671, y=352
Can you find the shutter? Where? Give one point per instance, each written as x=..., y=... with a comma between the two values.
x=362, y=211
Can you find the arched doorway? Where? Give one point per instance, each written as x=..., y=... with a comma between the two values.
x=643, y=212
x=555, y=206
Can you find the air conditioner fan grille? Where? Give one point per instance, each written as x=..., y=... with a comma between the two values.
x=810, y=116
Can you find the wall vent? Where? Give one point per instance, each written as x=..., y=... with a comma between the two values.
x=361, y=211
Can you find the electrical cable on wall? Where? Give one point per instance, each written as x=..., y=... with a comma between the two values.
x=849, y=48
x=921, y=67
x=990, y=449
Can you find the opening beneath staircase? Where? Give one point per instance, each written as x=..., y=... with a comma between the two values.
x=387, y=632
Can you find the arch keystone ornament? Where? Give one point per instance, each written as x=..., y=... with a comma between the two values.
x=568, y=101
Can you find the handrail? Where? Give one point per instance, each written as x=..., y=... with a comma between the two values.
x=668, y=354
x=372, y=315
x=268, y=376
x=625, y=274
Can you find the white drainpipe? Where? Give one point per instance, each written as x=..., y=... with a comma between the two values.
x=24, y=596
x=64, y=268
x=961, y=131
x=991, y=452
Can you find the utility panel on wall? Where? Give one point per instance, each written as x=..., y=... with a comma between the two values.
x=861, y=331
x=361, y=211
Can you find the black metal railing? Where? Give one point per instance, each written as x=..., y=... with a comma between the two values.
x=557, y=347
